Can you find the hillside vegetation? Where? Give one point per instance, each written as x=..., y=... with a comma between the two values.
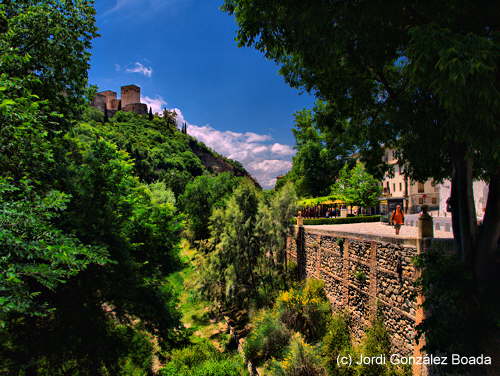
x=159, y=150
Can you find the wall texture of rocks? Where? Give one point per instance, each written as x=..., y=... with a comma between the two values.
x=363, y=273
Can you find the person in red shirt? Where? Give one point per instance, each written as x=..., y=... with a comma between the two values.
x=398, y=218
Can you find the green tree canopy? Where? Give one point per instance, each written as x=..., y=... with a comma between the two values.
x=317, y=162
x=243, y=261
x=86, y=239
x=403, y=75
x=357, y=187
x=50, y=39
x=203, y=194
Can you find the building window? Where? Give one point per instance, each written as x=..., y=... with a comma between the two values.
x=394, y=187
x=401, y=187
x=388, y=188
x=420, y=187
x=434, y=200
x=421, y=200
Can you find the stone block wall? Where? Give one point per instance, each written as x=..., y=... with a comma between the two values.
x=130, y=94
x=99, y=102
x=110, y=96
x=363, y=273
x=138, y=108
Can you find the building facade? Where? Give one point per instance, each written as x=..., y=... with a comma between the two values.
x=413, y=194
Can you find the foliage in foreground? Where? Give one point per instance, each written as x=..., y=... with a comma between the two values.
x=269, y=338
x=242, y=264
x=37, y=257
x=86, y=239
x=113, y=237
x=203, y=359
x=305, y=309
x=302, y=359
x=337, y=341
x=461, y=323
x=300, y=337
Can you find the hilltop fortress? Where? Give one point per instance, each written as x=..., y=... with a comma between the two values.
x=130, y=101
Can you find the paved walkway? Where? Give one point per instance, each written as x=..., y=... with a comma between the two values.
x=380, y=229
x=440, y=223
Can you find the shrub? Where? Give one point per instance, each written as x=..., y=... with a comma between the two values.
x=341, y=220
x=226, y=367
x=337, y=341
x=188, y=357
x=268, y=340
x=202, y=359
x=305, y=309
x=360, y=276
x=301, y=360
x=376, y=342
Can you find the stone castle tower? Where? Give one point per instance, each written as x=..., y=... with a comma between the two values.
x=130, y=101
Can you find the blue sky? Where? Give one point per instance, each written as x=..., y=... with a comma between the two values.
x=183, y=55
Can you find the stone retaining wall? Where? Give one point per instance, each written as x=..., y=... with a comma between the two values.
x=361, y=273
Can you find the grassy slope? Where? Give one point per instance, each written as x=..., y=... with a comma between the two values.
x=195, y=313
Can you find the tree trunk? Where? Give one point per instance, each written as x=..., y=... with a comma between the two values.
x=464, y=220
x=486, y=266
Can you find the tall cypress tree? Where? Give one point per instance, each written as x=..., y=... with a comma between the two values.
x=151, y=117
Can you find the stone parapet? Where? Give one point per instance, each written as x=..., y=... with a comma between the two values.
x=363, y=273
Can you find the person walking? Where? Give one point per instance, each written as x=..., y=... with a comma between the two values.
x=397, y=218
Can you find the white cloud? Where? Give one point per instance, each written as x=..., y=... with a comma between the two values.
x=157, y=104
x=254, y=137
x=140, y=68
x=267, y=170
x=263, y=160
x=281, y=149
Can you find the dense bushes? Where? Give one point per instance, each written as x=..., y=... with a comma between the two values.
x=107, y=241
x=36, y=256
x=305, y=309
x=202, y=359
x=275, y=342
x=299, y=336
x=87, y=233
x=159, y=151
x=242, y=264
x=269, y=339
x=337, y=341
x=341, y=220
x=301, y=359
x=202, y=195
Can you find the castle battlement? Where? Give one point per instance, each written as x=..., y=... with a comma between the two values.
x=130, y=101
